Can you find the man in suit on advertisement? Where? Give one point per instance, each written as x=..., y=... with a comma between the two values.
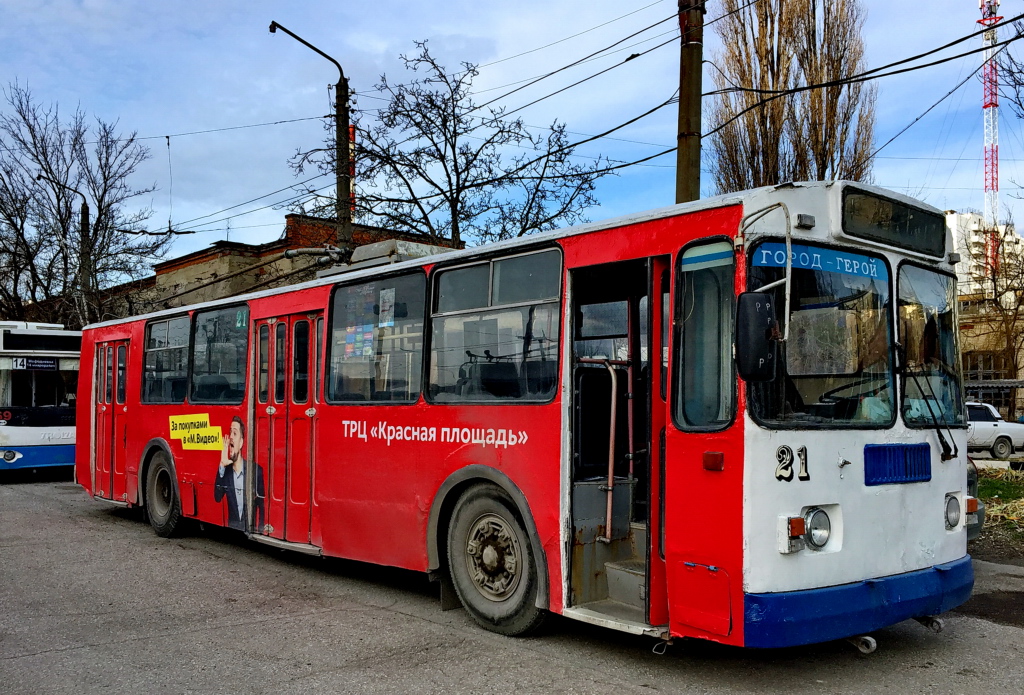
x=231, y=479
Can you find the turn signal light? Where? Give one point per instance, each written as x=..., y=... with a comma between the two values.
x=797, y=526
x=972, y=504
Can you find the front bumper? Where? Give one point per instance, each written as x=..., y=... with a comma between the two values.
x=38, y=456
x=819, y=615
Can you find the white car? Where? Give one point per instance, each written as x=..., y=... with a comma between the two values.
x=986, y=429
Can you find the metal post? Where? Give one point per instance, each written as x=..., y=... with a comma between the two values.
x=343, y=175
x=85, y=279
x=342, y=160
x=691, y=57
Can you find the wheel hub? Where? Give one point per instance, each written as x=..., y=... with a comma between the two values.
x=493, y=556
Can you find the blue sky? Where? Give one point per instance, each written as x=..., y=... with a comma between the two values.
x=168, y=68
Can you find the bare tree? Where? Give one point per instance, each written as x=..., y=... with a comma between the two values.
x=48, y=269
x=765, y=135
x=432, y=162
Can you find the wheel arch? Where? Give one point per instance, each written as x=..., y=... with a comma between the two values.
x=443, y=507
x=148, y=451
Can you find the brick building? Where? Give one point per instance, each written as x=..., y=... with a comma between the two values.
x=227, y=268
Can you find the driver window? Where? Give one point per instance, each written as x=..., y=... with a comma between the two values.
x=705, y=383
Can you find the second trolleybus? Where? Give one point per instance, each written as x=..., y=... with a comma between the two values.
x=38, y=385
x=738, y=419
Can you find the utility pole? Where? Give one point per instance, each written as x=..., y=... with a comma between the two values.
x=691, y=58
x=85, y=273
x=342, y=160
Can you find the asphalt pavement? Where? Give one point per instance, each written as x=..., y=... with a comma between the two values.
x=91, y=601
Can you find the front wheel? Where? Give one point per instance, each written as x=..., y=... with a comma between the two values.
x=162, y=504
x=492, y=563
x=1002, y=449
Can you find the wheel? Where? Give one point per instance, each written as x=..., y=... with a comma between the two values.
x=1002, y=449
x=162, y=504
x=492, y=563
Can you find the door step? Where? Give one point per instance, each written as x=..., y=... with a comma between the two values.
x=626, y=583
x=615, y=611
x=303, y=548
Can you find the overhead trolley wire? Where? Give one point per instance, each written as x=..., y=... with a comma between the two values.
x=608, y=69
x=567, y=38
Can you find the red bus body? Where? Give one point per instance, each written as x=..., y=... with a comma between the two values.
x=378, y=482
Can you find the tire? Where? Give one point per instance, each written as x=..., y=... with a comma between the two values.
x=163, y=506
x=1002, y=449
x=492, y=563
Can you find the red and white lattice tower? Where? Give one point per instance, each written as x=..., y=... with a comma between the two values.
x=990, y=106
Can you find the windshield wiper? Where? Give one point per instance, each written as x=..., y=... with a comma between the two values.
x=947, y=452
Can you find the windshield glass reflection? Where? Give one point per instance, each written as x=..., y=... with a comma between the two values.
x=931, y=382
x=836, y=366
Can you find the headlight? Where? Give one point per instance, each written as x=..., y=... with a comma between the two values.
x=819, y=528
x=10, y=455
x=952, y=512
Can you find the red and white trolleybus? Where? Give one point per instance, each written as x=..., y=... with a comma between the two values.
x=738, y=419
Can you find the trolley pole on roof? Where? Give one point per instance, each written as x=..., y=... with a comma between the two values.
x=691, y=58
x=342, y=158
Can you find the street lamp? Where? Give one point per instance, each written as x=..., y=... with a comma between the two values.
x=343, y=194
x=84, y=271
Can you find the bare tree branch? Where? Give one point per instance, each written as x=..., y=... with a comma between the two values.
x=432, y=162
x=48, y=271
x=818, y=134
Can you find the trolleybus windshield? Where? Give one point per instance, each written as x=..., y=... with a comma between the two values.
x=931, y=375
x=836, y=368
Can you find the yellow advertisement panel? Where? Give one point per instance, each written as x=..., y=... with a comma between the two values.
x=195, y=432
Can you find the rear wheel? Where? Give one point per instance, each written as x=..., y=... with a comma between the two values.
x=1002, y=449
x=492, y=563
x=162, y=504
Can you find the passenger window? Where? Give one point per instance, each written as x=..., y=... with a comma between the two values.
x=483, y=349
x=978, y=413
x=280, y=334
x=120, y=373
x=300, y=362
x=165, y=362
x=263, y=360
x=376, y=341
x=101, y=374
x=319, y=356
x=110, y=376
x=705, y=385
x=219, y=352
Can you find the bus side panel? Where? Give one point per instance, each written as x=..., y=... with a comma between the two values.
x=136, y=412
x=83, y=412
x=378, y=472
x=704, y=534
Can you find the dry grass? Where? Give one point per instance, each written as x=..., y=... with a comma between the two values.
x=1003, y=493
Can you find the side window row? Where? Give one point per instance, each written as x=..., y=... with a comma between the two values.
x=494, y=336
x=493, y=327
x=219, y=347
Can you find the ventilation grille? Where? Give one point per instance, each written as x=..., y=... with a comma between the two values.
x=888, y=464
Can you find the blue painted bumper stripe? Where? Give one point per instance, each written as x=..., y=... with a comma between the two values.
x=39, y=456
x=819, y=615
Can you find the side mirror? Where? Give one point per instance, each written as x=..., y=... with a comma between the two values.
x=756, y=343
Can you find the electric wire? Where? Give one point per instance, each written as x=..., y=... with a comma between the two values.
x=619, y=64
x=926, y=111
x=253, y=200
x=567, y=38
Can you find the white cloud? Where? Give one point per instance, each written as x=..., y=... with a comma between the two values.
x=174, y=67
